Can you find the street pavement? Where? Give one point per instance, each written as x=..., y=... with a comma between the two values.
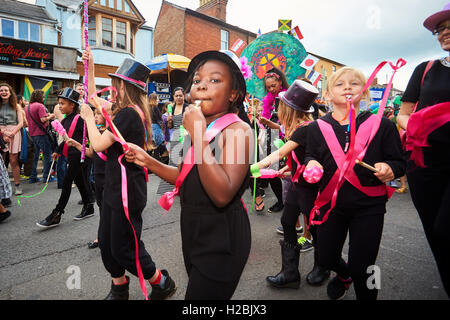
x=38, y=264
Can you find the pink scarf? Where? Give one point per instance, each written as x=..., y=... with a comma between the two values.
x=268, y=104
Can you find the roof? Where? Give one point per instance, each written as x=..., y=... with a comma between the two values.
x=68, y=3
x=25, y=10
x=210, y=19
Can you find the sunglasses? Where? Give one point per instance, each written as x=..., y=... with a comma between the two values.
x=440, y=29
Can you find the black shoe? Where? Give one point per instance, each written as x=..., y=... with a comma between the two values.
x=289, y=276
x=93, y=244
x=277, y=207
x=119, y=292
x=318, y=274
x=5, y=215
x=307, y=246
x=52, y=220
x=87, y=212
x=169, y=289
x=337, y=287
x=6, y=202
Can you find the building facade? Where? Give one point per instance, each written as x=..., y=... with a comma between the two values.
x=53, y=30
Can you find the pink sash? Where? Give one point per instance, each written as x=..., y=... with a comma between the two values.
x=420, y=125
x=73, y=125
x=331, y=190
x=166, y=201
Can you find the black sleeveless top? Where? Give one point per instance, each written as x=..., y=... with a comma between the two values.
x=215, y=240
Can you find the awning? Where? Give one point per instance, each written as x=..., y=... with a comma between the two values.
x=40, y=73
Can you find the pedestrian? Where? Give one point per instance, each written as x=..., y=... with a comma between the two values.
x=68, y=102
x=120, y=251
x=159, y=150
x=275, y=82
x=424, y=114
x=175, y=122
x=295, y=114
x=11, y=122
x=215, y=229
x=61, y=165
x=38, y=120
x=360, y=204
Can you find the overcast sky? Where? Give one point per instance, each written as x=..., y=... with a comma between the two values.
x=357, y=33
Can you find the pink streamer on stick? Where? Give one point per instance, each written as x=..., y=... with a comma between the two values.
x=86, y=76
x=60, y=129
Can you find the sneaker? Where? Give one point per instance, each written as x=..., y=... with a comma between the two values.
x=169, y=289
x=35, y=180
x=337, y=287
x=18, y=191
x=307, y=246
x=277, y=207
x=6, y=202
x=5, y=215
x=51, y=221
x=87, y=212
x=298, y=229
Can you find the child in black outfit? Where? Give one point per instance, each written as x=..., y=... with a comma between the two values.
x=215, y=228
x=68, y=103
x=362, y=195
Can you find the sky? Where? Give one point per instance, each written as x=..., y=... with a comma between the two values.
x=357, y=33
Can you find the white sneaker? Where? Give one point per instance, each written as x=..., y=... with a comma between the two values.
x=18, y=191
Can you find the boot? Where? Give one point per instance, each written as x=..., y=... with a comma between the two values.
x=289, y=276
x=52, y=220
x=119, y=292
x=318, y=274
x=86, y=212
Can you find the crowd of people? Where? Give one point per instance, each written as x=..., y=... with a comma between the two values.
x=130, y=136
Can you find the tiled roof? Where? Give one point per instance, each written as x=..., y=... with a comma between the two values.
x=25, y=10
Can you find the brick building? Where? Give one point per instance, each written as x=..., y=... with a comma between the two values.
x=189, y=32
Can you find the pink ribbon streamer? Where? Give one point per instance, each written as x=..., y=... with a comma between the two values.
x=86, y=77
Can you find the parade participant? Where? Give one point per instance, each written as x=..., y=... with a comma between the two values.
x=11, y=122
x=424, y=114
x=121, y=216
x=38, y=120
x=215, y=228
x=69, y=105
x=5, y=190
x=98, y=161
x=294, y=112
x=274, y=83
x=175, y=118
x=357, y=204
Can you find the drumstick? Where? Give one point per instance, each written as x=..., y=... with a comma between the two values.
x=365, y=165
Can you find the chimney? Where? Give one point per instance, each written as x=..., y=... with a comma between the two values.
x=214, y=8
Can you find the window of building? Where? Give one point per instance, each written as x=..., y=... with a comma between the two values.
x=103, y=2
x=127, y=6
x=119, y=5
x=107, y=32
x=111, y=3
x=92, y=26
x=35, y=32
x=121, y=35
x=224, y=40
x=23, y=30
x=334, y=68
x=8, y=28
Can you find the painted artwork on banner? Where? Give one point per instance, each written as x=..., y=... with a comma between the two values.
x=277, y=50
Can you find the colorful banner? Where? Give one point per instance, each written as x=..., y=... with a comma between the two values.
x=296, y=33
x=284, y=25
x=271, y=50
x=34, y=83
x=309, y=62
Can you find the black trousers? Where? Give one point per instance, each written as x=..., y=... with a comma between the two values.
x=117, y=243
x=75, y=173
x=365, y=236
x=430, y=192
x=299, y=199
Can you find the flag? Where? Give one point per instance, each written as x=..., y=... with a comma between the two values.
x=238, y=45
x=259, y=33
x=296, y=33
x=314, y=77
x=284, y=25
x=309, y=62
x=34, y=83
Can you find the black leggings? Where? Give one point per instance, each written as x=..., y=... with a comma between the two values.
x=116, y=242
x=365, y=236
x=430, y=192
x=75, y=173
x=298, y=200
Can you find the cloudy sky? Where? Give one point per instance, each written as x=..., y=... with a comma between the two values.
x=358, y=33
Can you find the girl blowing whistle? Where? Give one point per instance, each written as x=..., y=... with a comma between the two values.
x=215, y=228
x=119, y=239
x=361, y=195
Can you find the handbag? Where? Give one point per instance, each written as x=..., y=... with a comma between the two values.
x=49, y=132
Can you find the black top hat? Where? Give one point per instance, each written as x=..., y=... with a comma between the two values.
x=133, y=72
x=227, y=57
x=71, y=95
x=300, y=96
